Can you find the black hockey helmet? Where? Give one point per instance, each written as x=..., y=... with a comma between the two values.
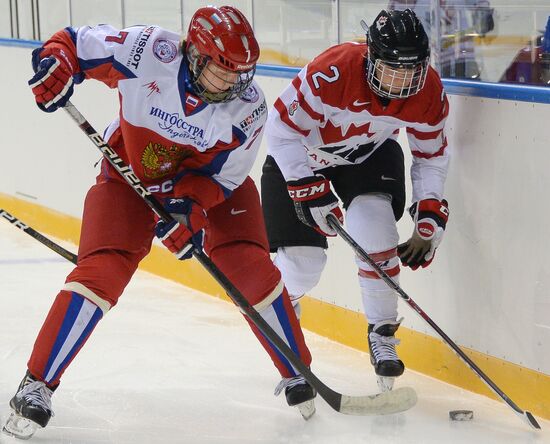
x=398, y=54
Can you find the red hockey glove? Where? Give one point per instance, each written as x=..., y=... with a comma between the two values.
x=185, y=233
x=52, y=84
x=314, y=201
x=430, y=218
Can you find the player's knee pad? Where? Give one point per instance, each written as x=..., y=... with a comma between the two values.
x=76, y=287
x=300, y=267
x=237, y=259
x=371, y=223
x=103, y=275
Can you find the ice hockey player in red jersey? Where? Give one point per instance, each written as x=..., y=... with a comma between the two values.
x=337, y=124
x=190, y=125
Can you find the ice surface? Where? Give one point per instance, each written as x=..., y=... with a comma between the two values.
x=171, y=365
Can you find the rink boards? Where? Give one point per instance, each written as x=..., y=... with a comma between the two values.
x=487, y=289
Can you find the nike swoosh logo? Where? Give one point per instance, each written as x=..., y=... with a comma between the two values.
x=387, y=178
x=234, y=212
x=357, y=103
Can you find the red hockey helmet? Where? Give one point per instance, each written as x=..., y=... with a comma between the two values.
x=223, y=37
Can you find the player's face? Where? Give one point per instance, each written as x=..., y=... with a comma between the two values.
x=216, y=79
x=395, y=80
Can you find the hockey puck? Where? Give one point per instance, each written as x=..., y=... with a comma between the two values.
x=461, y=415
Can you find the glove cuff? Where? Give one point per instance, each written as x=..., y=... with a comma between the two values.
x=308, y=188
x=433, y=209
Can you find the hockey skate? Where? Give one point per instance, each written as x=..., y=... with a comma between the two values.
x=298, y=394
x=31, y=408
x=383, y=356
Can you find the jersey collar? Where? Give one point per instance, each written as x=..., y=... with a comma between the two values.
x=190, y=102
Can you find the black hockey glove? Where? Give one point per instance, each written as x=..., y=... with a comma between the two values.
x=314, y=201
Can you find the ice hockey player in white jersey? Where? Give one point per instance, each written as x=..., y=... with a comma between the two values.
x=337, y=124
x=190, y=125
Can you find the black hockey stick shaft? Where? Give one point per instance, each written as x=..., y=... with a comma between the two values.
x=38, y=236
x=335, y=224
x=336, y=400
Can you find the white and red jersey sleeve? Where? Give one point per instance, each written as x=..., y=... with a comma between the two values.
x=103, y=52
x=296, y=113
x=428, y=143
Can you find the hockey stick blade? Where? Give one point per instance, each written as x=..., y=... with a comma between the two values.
x=531, y=420
x=394, y=401
x=335, y=224
x=391, y=402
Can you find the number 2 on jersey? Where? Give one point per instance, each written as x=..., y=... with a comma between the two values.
x=321, y=75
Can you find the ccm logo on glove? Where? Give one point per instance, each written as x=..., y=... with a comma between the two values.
x=314, y=190
x=314, y=201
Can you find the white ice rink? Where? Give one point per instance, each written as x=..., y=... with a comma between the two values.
x=171, y=365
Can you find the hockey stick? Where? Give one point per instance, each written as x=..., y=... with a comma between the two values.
x=335, y=224
x=39, y=237
x=383, y=403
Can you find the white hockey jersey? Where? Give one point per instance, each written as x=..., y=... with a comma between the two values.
x=328, y=116
x=175, y=142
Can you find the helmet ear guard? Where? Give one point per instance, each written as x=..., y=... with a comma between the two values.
x=222, y=37
x=398, y=54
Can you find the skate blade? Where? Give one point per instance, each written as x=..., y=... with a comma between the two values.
x=19, y=427
x=307, y=409
x=385, y=383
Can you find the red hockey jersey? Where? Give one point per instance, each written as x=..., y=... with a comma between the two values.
x=328, y=116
